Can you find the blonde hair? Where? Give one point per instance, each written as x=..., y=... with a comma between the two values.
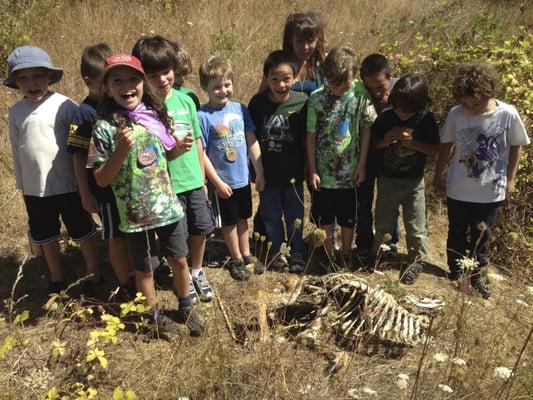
x=340, y=65
x=214, y=67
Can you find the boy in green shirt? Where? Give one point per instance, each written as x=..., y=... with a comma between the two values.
x=160, y=60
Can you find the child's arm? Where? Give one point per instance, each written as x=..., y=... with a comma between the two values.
x=255, y=156
x=183, y=145
x=13, y=138
x=107, y=172
x=314, y=178
x=443, y=157
x=512, y=167
x=429, y=149
x=89, y=203
x=359, y=175
x=389, y=138
x=222, y=188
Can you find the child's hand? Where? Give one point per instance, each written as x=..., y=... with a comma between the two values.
x=314, y=181
x=259, y=181
x=406, y=138
x=359, y=175
x=125, y=139
x=439, y=183
x=90, y=204
x=183, y=144
x=510, y=186
x=224, y=190
x=390, y=137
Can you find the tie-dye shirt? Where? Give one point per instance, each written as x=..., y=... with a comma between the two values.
x=337, y=122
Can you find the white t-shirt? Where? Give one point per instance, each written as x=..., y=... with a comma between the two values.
x=38, y=133
x=478, y=170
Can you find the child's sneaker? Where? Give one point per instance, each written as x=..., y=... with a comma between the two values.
x=410, y=274
x=456, y=275
x=238, y=270
x=279, y=262
x=203, y=288
x=362, y=259
x=259, y=267
x=162, y=327
x=297, y=264
x=391, y=253
x=193, y=320
x=479, y=283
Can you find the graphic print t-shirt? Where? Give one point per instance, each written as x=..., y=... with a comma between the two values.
x=224, y=140
x=143, y=191
x=398, y=161
x=337, y=122
x=478, y=170
x=281, y=133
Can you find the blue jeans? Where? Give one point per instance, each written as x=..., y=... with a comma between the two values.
x=287, y=202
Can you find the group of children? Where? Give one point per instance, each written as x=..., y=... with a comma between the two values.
x=143, y=150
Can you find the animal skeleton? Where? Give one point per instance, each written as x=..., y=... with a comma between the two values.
x=351, y=307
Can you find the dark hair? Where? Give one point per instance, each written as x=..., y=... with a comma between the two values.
x=279, y=57
x=478, y=80
x=410, y=93
x=340, y=65
x=156, y=53
x=93, y=59
x=108, y=106
x=308, y=25
x=374, y=64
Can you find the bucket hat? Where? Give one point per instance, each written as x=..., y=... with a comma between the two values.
x=122, y=60
x=30, y=57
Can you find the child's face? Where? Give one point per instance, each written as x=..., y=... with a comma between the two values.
x=303, y=48
x=474, y=106
x=33, y=83
x=280, y=80
x=378, y=86
x=95, y=86
x=219, y=91
x=402, y=114
x=125, y=86
x=162, y=80
x=338, y=89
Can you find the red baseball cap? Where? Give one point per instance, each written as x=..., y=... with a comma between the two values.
x=122, y=60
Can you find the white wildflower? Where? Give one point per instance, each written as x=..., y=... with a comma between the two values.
x=402, y=381
x=496, y=277
x=467, y=263
x=353, y=393
x=458, y=361
x=445, y=388
x=440, y=357
x=189, y=23
x=468, y=302
x=503, y=373
x=530, y=290
x=306, y=389
x=522, y=303
x=369, y=391
x=404, y=377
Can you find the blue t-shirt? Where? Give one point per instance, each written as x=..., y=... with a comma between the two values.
x=224, y=140
x=308, y=86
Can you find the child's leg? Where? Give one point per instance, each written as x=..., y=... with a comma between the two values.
x=414, y=216
x=244, y=240
x=52, y=255
x=328, y=243
x=231, y=240
x=365, y=220
x=89, y=250
x=143, y=250
x=459, y=219
x=346, y=212
x=487, y=214
x=323, y=214
x=294, y=209
x=145, y=284
x=120, y=258
x=271, y=212
x=347, y=238
x=387, y=205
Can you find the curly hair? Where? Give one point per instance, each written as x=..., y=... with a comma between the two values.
x=478, y=80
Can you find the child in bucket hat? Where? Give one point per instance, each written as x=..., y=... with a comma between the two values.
x=38, y=130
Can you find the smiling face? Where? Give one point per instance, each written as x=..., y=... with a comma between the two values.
x=378, y=86
x=303, y=48
x=162, y=80
x=125, y=86
x=280, y=80
x=219, y=91
x=33, y=83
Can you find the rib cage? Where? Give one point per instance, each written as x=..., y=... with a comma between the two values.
x=350, y=307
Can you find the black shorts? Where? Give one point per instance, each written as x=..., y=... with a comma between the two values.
x=237, y=207
x=198, y=212
x=334, y=204
x=44, y=222
x=146, y=250
x=110, y=221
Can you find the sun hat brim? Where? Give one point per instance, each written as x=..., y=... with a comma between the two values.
x=55, y=73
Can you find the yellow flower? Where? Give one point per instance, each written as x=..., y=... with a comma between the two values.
x=318, y=237
x=297, y=223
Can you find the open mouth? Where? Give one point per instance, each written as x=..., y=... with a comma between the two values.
x=35, y=92
x=129, y=95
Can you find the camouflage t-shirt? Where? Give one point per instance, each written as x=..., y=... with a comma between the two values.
x=143, y=190
x=337, y=122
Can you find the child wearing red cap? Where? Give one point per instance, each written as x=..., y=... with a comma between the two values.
x=38, y=130
x=129, y=150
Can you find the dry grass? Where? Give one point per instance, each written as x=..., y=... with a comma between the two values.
x=484, y=333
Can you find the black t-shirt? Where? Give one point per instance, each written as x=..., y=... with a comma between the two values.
x=397, y=161
x=78, y=142
x=281, y=135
